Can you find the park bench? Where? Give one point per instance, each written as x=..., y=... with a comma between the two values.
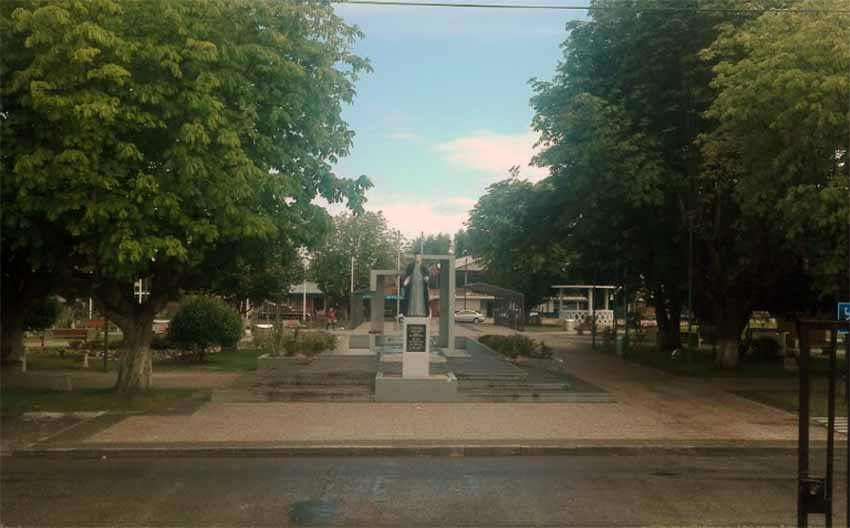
x=70, y=334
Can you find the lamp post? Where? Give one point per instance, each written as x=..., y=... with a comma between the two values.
x=690, y=283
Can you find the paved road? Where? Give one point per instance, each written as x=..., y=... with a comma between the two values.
x=510, y=491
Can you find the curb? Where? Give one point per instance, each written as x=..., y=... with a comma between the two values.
x=380, y=450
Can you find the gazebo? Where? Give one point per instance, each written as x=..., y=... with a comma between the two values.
x=583, y=305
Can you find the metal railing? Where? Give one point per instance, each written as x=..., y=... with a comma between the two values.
x=815, y=493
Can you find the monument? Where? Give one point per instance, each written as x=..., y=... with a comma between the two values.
x=417, y=380
x=416, y=325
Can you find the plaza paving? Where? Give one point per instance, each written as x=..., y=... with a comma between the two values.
x=651, y=408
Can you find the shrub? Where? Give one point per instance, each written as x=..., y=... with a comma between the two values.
x=516, y=345
x=160, y=342
x=764, y=349
x=202, y=323
x=291, y=342
x=43, y=315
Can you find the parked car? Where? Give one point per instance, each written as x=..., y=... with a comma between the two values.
x=468, y=316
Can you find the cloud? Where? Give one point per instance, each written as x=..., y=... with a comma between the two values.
x=494, y=153
x=409, y=137
x=412, y=217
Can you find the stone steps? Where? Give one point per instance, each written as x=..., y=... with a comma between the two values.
x=543, y=396
x=304, y=393
x=498, y=385
x=317, y=380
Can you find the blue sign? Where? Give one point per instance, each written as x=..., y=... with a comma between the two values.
x=843, y=313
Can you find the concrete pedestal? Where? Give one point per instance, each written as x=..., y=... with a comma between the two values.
x=416, y=347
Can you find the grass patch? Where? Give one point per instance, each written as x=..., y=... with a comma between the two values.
x=71, y=361
x=543, y=328
x=789, y=401
x=17, y=401
x=702, y=365
x=229, y=360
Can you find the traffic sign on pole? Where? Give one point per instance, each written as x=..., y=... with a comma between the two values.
x=843, y=313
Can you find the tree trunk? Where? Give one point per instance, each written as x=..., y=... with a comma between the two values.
x=728, y=356
x=730, y=318
x=12, y=341
x=134, y=366
x=667, y=317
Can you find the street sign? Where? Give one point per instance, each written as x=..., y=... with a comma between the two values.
x=843, y=314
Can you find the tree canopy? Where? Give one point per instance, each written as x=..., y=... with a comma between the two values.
x=152, y=134
x=431, y=244
x=733, y=126
x=365, y=237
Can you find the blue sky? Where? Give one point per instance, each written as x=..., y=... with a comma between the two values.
x=445, y=112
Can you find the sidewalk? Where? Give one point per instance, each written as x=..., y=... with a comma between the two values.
x=652, y=410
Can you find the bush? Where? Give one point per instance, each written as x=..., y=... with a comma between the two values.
x=309, y=343
x=516, y=345
x=764, y=349
x=160, y=342
x=202, y=323
x=43, y=315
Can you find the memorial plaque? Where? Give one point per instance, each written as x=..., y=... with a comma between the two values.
x=416, y=338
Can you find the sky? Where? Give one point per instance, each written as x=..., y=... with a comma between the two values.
x=446, y=110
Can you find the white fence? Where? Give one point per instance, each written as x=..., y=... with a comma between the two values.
x=603, y=317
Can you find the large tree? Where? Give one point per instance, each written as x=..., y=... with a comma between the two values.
x=617, y=124
x=505, y=231
x=153, y=134
x=364, y=237
x=775, y=185
x=460, y=243
x=432, y=244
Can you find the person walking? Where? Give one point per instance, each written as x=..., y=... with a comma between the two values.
x=331, y=319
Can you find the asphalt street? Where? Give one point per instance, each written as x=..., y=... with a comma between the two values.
x=627, y=490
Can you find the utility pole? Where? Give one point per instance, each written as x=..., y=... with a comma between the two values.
x=352, y=274
x=397, y=285
x=690, y=283
x=465, y=281
x=105, y=344
x=304, y=301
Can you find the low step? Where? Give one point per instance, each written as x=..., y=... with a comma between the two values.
x=310, y=380
x=560, y=397
x=506, y=385
x=260, y=395
x=328, y=389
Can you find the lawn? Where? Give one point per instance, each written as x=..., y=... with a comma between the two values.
x=702, y=364
x=543, y=328
x=17, y=401
x=230, y=360
x=788, y=400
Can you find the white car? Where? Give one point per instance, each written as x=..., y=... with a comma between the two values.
x=468, y=316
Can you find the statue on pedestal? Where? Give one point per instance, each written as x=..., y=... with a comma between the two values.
x=416, y=302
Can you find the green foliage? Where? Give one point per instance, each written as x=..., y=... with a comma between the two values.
x=159, y=139
x=460, y=244
x=160, y=342
x=43, y=315
x=514, y=346
x=204, y=322
x=439, y=244
x=779, y=150
x=365, y=237
x=289, y=343
x=506, y=230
